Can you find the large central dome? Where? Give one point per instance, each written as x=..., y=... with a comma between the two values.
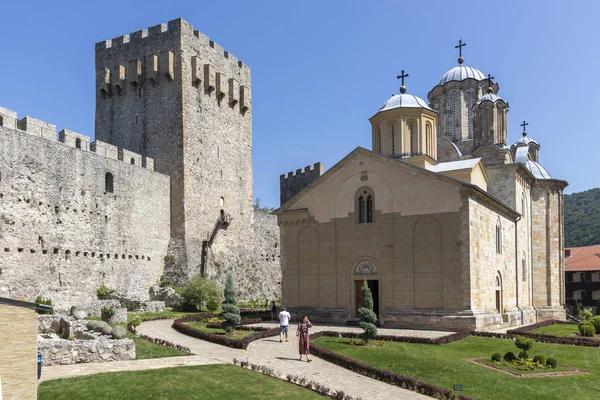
x=461, y=73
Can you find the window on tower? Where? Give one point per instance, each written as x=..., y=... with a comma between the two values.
x=411, y=138
x=393, y=139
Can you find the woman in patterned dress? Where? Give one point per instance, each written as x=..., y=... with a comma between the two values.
x=303, y=339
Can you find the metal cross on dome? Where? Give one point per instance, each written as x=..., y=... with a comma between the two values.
x=524, y=124
x=402, y=76
x=459, y=47
x=490, y=77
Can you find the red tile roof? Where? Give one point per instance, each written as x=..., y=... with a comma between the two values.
x=583, y=258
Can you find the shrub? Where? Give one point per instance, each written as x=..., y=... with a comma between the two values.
x=497, y=357
x=596, y=322
x=199, y=291
x=107, y=313
x=586, y=314
x=551, y=362
x=212, y=305
x=231, y=313
x=134, y=323
x=539, y=359
x=368, y=317
x=510, y=357
x=46, y=302
x=587, y=329
x=104, y=291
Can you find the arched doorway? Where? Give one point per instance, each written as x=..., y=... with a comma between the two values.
x=498, y=287
x=365, y=270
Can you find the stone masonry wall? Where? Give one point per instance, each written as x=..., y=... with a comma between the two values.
x=294, y=182
x=256, y=271
x=62, y=235
x=18, y=352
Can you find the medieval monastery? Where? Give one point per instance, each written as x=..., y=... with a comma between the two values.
x=164, y=192
x=451, y=226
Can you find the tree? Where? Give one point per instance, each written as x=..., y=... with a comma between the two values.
x=368, y=317
x=525, y=345
x=231, y=313
x=199, y=291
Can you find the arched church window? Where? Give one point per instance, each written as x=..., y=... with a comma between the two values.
x=411, y=138
x=454, y=105
x=393, y=127
x=428, y=139
x=369, y=208
x=524, y=267
x=377, y=146
x=498, y=237
x=469, y=105
x=498, y=287
x=108, y=183
x=365, y=205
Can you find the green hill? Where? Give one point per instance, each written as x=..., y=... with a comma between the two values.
x=582, y=218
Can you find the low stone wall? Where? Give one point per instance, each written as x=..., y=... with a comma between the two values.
x=440, y=320
x=102, y=349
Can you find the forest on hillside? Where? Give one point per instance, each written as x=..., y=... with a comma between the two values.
x=582, y=218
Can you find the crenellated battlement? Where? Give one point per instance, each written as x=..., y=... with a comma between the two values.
x=294, y=181
x=35, y=127
x=155, y=56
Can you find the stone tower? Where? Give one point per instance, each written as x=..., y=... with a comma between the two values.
x=489, y=120
x=172, y=94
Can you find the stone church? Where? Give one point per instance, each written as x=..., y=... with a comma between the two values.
x=452, y=226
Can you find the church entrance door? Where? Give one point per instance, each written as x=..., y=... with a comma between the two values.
x=374, y=287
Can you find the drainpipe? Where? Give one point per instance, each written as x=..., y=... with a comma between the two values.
x=517, y=267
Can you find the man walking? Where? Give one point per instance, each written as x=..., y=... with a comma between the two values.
x=284, y=321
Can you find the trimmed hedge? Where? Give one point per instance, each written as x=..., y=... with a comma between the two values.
x=262, y=333
x=391, y=338
x=387, y=376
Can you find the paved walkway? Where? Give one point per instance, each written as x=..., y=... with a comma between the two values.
x=282, y=357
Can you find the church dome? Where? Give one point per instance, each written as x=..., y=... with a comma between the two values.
x=404, y=101
x=522, y=156
x=493, y=97
x=460, y=73
x=525, y=140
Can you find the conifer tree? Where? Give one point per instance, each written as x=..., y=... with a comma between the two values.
x=231, y=313
x=368, y=317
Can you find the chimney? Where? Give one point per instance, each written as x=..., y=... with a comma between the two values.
x=567, y=253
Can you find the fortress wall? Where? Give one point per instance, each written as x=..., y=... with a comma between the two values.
x=62, y=235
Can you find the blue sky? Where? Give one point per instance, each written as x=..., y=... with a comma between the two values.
x=321, y=69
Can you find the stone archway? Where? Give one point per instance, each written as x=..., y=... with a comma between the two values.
x=365, y=270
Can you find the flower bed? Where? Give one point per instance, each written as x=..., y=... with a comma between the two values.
x=180, y=326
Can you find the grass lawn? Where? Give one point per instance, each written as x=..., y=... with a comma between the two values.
x=206, y=382
x=145, y=349
x=201, y=326
x=561, y=330
x=443, y=365
x=168, y=314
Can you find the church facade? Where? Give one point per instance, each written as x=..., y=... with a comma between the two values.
x=450, y=226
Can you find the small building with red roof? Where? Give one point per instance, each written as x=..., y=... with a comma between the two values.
x=582, y=270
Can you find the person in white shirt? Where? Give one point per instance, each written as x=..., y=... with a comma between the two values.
x=284, y=321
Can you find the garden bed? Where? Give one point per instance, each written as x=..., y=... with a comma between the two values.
x=182, y=325
x=560, y=370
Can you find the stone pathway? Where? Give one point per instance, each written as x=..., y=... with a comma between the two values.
x=282, y=357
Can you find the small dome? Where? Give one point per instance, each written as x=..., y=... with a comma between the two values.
x=525, y=140
x=461, y=73
x=522, y=156
x=404, y=101
x=493, y=97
